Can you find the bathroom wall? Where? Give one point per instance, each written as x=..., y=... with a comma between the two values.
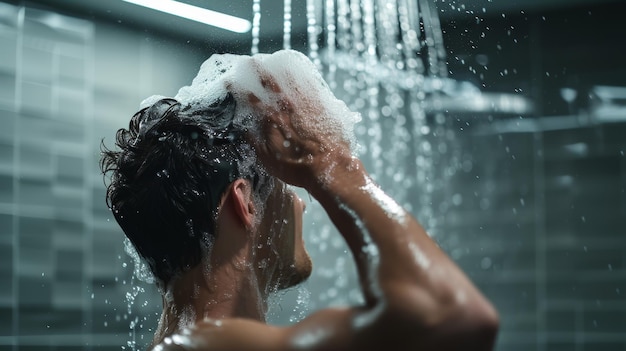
x=539, y=223
x=65, y=84
x=540, y=220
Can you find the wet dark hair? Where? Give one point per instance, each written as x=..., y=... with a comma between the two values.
x=173, y=165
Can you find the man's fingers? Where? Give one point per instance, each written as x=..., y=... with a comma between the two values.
x=285, y=105
x=253, y=99
x=267, y=81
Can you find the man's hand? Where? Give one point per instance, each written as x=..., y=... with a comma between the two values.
x=297, y=138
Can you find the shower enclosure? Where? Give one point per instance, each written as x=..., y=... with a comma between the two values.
x=494, y=125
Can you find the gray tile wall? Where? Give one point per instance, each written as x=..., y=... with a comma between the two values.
x=65, y=84
x=541, y=229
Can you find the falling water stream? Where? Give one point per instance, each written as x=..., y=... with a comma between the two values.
x=384, y=59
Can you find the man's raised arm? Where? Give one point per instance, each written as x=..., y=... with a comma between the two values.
x=416, y=297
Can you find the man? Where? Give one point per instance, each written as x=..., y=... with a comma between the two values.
x=205, y=204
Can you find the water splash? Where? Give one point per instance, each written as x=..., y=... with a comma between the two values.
x=139, y=311
x=303, y=302
x=141, y=269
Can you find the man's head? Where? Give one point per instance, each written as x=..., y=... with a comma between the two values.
x=169, y=176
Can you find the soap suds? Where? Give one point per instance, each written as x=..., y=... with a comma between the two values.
x=241, y=75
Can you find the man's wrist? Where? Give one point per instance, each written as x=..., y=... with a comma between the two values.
x=338, y=175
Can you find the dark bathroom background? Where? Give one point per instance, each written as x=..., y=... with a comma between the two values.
x=538, y=217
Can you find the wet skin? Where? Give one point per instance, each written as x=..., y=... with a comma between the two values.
x=280, y=242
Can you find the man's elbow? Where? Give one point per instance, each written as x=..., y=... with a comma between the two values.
x=483, y=325
x=473, y=323
x=447, y=323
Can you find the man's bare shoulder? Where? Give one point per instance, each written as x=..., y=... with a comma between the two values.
x=229, y=334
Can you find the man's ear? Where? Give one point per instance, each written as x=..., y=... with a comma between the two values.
x=243, y=202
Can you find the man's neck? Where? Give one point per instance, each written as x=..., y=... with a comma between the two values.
x=226, y=291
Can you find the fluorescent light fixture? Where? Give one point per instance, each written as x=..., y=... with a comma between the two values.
x=198, y=14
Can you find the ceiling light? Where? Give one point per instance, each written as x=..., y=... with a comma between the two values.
x=199, y=14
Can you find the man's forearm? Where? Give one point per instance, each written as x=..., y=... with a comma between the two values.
x=386, y=242
x=397, y=261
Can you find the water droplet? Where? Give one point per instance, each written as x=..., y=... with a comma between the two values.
x=163, y=174
x=485, y=263
x=484, y=204
x=457, y=199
